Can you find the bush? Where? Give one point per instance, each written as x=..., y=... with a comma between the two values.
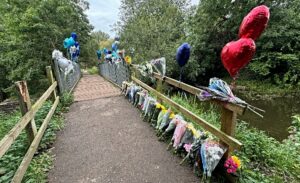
x=43, y=160
x=66, y=100
x=93, y=70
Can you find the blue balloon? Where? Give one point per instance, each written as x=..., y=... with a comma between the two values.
x=74, y=36
x=105, y=51
x=76, y=44
x=183, y=54
x=114, y=47
x=117, y=38
x=68, y=42
x=114, y=54
x=99, y=54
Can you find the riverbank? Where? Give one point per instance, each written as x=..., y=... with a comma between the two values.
x=264, y=90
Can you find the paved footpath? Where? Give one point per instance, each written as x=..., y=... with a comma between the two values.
x=106, y=141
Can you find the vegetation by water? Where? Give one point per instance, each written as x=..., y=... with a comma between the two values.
x=156, y=28
x=43, y=160
x=264, y=159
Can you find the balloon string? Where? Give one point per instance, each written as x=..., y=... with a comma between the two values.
x=233, y=83
x=181, y=71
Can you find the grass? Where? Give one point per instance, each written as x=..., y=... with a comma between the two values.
x=43, y=159
x=93, y=70
x=264, y=159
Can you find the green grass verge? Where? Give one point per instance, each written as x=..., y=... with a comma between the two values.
x=43, y=160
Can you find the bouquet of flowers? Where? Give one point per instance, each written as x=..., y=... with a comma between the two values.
x=159, y=65
x=211, y=154
x=232, y=164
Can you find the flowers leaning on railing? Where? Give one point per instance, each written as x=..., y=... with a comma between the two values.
x=232, y=164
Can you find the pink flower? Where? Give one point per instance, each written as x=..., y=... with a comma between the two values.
x=231, y=165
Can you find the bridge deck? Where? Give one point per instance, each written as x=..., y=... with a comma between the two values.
x=105, y=140
x=93, y=87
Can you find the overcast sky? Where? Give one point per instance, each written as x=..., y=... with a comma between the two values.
x=104, y=13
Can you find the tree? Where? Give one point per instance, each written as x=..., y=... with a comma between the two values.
x=152, y=29
x=216, y=23
x=100, y=36
x=30, y=30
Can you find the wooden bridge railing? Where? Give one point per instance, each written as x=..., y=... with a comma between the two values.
x=232, y=142
x=27, y=121
x=229, y=111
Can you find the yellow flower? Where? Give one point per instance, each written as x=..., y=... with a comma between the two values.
x=164, y=111
x=128, y=59
x=158, y=106
x=172, y=115
x=191, y=127
x=236, y=160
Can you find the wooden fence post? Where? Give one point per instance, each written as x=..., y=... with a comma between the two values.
x=159, y=88
x=228, y=124
x=51, y=80
x=25, y=106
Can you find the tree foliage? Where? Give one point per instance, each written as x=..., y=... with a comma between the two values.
x=30, y=30
x=98, y=40
x=150, y=29
x=156, y=28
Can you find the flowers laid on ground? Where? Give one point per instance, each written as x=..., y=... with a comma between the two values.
x=232, y=164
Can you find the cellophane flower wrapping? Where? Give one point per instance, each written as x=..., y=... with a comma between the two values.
x=211, y=154
x=159, y=65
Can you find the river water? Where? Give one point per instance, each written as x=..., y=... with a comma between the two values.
x=277, y=117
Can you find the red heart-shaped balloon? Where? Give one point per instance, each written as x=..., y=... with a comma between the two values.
x=255, y=22
x=237, y=54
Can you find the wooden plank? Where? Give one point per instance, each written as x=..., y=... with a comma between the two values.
x=207, y=126
x=34, y=145
x=239, y=109
x=10, y=137
x=25, y=106
x=228, y=124
x=44, y=97
x=159, y=88
x=228, y=119
x=51, y=80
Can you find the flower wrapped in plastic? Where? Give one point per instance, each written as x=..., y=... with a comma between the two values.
x=160, y=117
x=211, y=154
x=159, y=65
x=165, y=121
x=173, y=122
x=145, y=70
x=220, y=90
x=179, y=132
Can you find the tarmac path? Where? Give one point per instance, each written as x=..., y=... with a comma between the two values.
x=106, y=141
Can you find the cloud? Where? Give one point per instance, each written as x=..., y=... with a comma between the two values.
x=103, y=14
